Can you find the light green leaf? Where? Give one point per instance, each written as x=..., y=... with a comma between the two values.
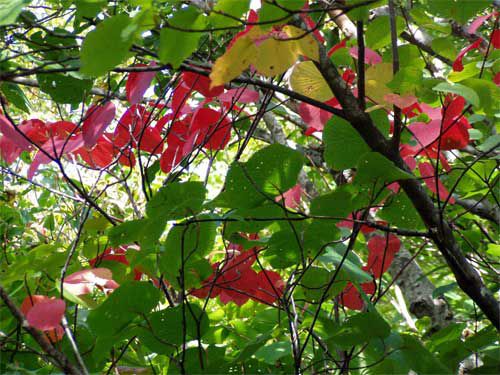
x=177, y=45
x=10, y=9
x=469, y=94
x=272, y=352
x=108, y=45
x=351, y=265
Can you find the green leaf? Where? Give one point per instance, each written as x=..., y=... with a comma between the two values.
x=490, y=143
x=144, y=231
x=458, y=10
x=374, y=166
x=406, y=80
x=284, y=248
x=176, y=201
x=108, y=45
x=165, y=327
x=177, y=45
x=10, y=9
x=493, y=249
x=399, y=211
x=252, y=220
x=359, y=329
x=488, y=92
x=64, y=89
x=315, y=281
x=125, y=304
x=186, y=244
x=469, y=94
x=15, y=95
x=338, y=204
x=351, y=265
x=443, y=289
x=233, y=8
x=273, y=352
x=269, y=172
x=343, y=144
x=378, y=33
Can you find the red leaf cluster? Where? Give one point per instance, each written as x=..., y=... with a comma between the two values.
x=235, y=280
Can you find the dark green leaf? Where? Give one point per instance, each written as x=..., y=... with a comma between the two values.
x=343, y=144
x=269, y=172
x=64, y=88
x=176, y=201
x=125, y=304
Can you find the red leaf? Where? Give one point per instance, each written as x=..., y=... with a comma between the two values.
x=457, y=64
x=56, y=148
x=47, y=314
x=477, y=23
x=311, y=25
x=210, y=129
x=495, y=38
x=176, y=140
x=270, y=287
x=427, y=172
x=381, y=253
x=138, y=83
x=314, y=117
x=496, y=79
x=8, y=150
x=12, y=134
x=351, y=298
x=100, y=156
x=241, y=95
x=291, y=197
x=96, y=121
x=201, y=83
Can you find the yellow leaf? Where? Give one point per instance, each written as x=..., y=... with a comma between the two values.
x=274, y=57
x=307, y=80
x=270, y=56
x=304, y=43
x=236, y=59
x=376, y=78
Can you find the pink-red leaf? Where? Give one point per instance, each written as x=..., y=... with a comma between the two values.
x=371, y=57
x=427, y=172
x=96, y=121
x=46, y=315
x=85, y=281
x=12, y=134
x=138, y=83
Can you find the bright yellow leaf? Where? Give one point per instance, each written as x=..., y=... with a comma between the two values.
x=236, y=59
x=304, y=43
x=307, y=80
x=270, y=57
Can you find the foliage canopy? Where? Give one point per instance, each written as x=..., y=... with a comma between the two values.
x=235, y=186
